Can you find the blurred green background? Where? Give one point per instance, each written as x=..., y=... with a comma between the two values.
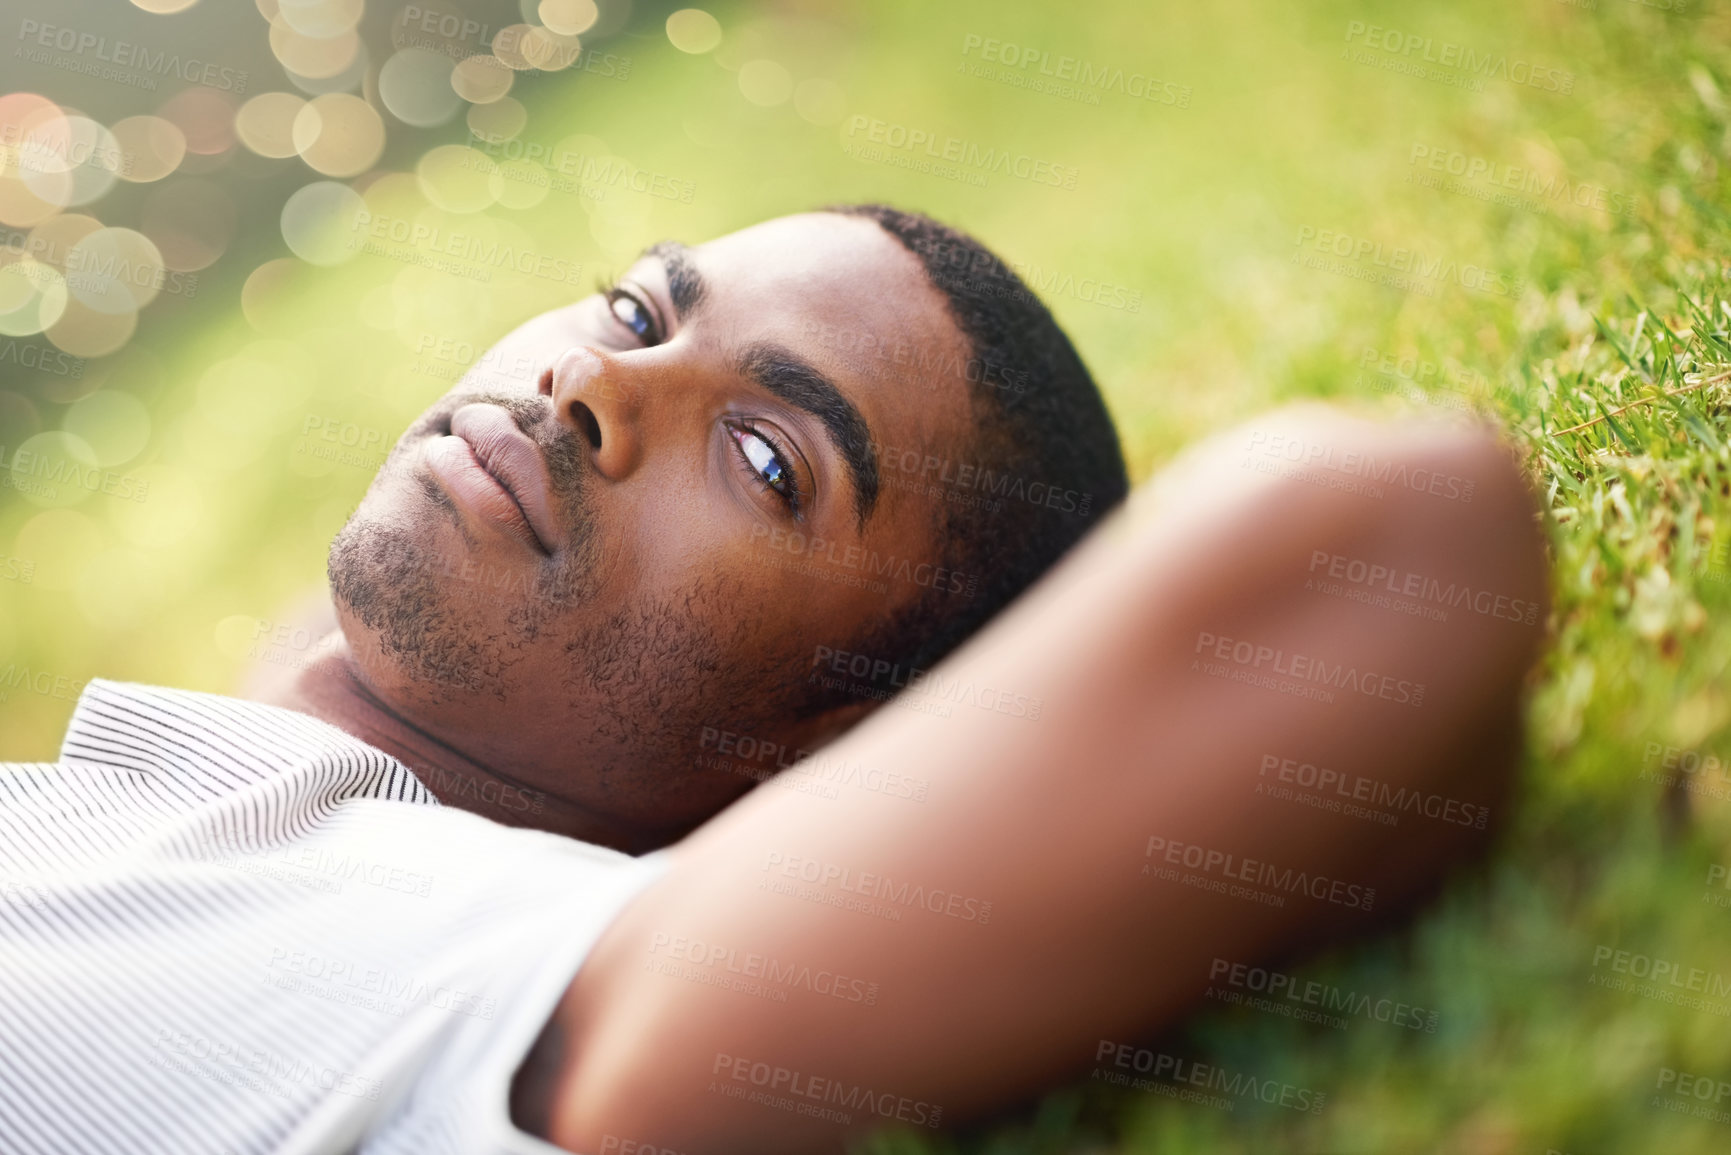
x=1516, y=209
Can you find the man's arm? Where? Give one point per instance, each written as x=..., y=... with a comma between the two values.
x=1307, y=591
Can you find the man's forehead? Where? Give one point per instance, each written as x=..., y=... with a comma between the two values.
x=842, y=289
x=808, y=241
x=827, y=264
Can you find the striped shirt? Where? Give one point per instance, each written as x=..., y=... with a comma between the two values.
x=228, y=927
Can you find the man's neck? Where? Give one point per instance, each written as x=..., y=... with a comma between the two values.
x=333, y=690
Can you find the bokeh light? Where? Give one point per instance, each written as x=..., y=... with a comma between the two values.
x=819, y=101
x=61, y=541
x=508, y=46
x=519, y=184
x=20, y=206
x=272, y=285
x=314, y=57
x=456, y=178
x=32, y=295
x=205, y=116
x=321, y=18
x=19, y=111
x=86, y=332
x=151, y=147
x=338, y=134
x=115, y=270
x=76, y=473
x=416, y=85
x=321, y=223
x=693, y=30
x=501, y=120
x=765, y=83
x=549, y=51
x=29, y=190
x=71, y=160
x=360, y=75
x=53, y=240
x=568, y=17
x=242, y=399
x=265, y=123
x=482, y=78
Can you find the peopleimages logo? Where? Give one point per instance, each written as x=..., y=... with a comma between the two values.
x=95, y=50
x=1520, y=179
x=1373, y=581
x=586, y=170
x=42, y=358
x=1416, y=49
x=445, y=25
x=1288, y=995
x=1665, y=980
x=941, y=147
x=43, y=682
x=92, y=272
x=1302, y=675
x=866, y=564
x=883, y=678
x=1087, y=77
x=53, y=152
x=802, y=1093
x=1399, y=266
x=1355, y=788
x=885, y=357
x=1441, y=374
x=42, y=471
x=425, y=244
x=877, y=886
x=1207, y=861
x=1320, y=459
x=755, y=965
x=256, y=1069
x=1684, y=1085
x=1208, y=1076
x=749, y=754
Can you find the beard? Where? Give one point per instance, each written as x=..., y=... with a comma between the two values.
x=447, y=624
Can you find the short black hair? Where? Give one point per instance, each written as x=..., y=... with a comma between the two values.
x=1045, y=458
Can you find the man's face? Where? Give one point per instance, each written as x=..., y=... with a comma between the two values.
x=631, y=526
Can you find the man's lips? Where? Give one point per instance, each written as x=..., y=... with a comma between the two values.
x=489, y=464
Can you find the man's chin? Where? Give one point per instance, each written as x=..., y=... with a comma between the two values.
x=392, y=589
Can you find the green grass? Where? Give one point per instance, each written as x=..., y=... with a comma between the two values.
x=1615, y=319
x=1612, y=372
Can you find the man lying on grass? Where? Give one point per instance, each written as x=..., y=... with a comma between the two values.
x=588, y=604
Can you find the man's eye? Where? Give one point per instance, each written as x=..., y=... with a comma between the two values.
x=766, y=465
x=634, y=315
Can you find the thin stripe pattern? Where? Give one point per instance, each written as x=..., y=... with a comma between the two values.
x=227, y=927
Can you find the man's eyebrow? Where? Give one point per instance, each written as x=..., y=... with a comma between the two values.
x=684, y=282
x=799, y=383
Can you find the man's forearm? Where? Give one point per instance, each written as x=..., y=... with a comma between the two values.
x=1073, y=878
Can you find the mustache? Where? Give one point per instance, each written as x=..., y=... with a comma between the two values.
x=565, y=451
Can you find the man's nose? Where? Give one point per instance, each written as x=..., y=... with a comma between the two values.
x=593, y=396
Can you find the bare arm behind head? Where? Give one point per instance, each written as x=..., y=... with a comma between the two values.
x=1288, y=595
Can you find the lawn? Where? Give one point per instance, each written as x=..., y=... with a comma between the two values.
x=1517, y=210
